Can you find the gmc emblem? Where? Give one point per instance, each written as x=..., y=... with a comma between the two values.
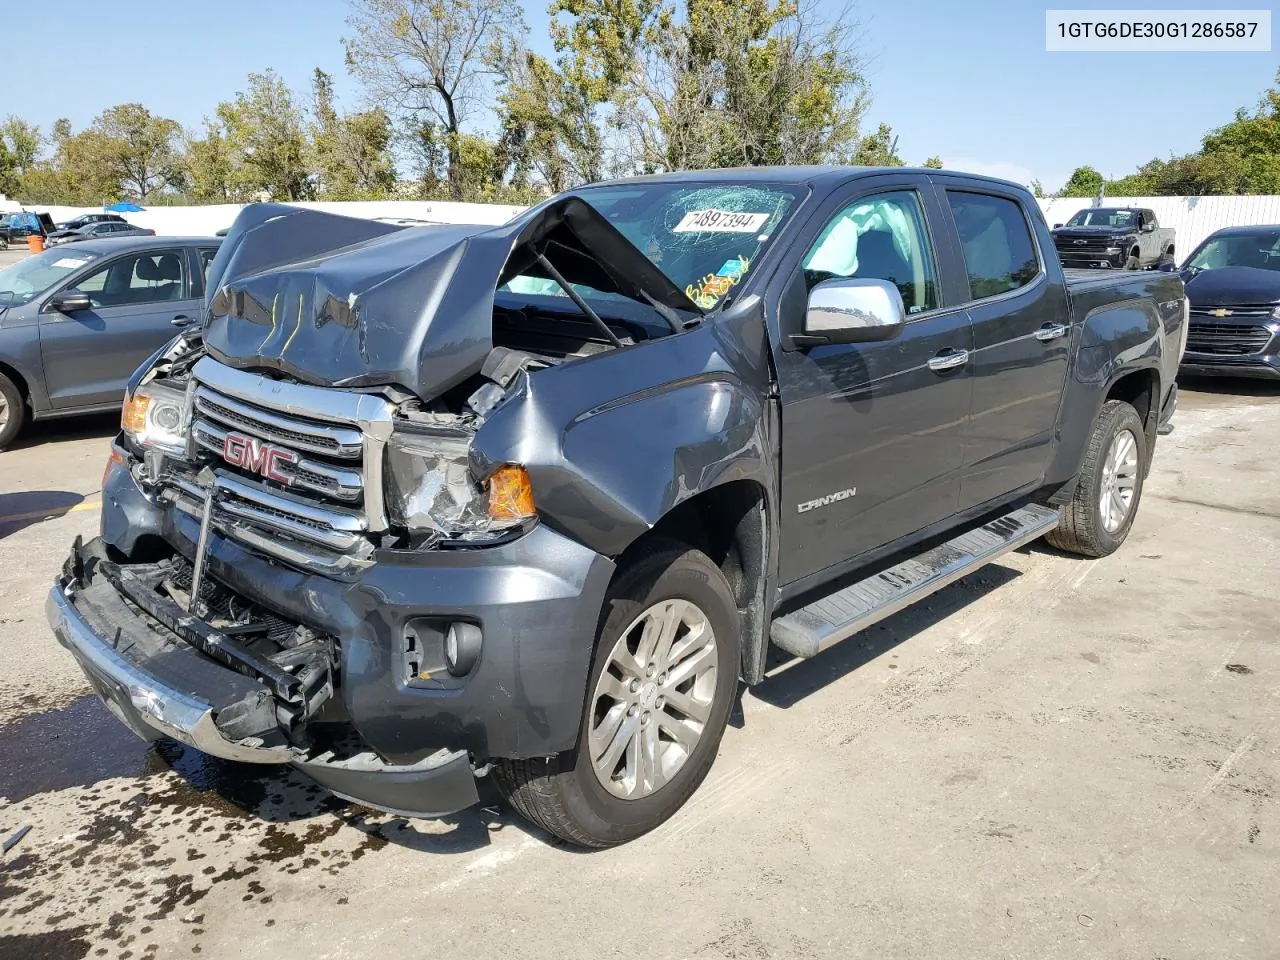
x=259, y=457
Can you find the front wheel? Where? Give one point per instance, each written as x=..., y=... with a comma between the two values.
x=659, y=695
x=1101, y=512
x=13, y=411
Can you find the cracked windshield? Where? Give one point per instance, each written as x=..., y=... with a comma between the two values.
x=705, y=238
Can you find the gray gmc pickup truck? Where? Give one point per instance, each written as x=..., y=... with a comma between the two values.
x=414, y=506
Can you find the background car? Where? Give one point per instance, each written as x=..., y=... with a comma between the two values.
x=87, y=218
x=97, y=231
x=76, y=322
x=1233, y=285
x=27, y=223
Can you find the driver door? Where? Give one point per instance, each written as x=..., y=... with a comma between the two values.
x=872, y=432
x=137, y=302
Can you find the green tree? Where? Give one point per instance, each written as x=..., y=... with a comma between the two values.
x=934, y=163
x=879, y=149
x=556, y=116
x=209, y=166
x=1083, y=182
x=352, y=156
x=431, y=62
x=20, y=142
x=1243, y=156
x=1037, y=190
x=139, y=150
x=722, y=83
x=264, y=132
x=8, y=174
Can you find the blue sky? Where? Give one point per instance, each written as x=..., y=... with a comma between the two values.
x=968, y=81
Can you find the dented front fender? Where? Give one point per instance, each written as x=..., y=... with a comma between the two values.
x=614, y=442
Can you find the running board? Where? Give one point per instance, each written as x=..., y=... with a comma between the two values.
x=837, y=616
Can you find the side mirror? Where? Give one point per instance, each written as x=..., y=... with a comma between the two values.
x=1056, y=226
x=1148, y=227
x=852, y=311
x=69, y=301
x=1167, y=266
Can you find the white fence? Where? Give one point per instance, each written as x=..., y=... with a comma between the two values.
x=1193, y=217
x=207, y=220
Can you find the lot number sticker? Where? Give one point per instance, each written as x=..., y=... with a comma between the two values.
x=720, y=221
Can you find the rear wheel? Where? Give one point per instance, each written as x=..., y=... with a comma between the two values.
x=13, y=411
x=1101, y=512
x=659, y=695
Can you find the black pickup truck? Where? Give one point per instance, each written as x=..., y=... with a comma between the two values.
x=1105, y=237
x=413, y=507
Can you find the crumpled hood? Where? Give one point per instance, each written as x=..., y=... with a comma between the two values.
x=1234, y=286
x=336, y=301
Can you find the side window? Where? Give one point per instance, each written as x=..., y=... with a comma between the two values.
x=152, y=277
x=999, y=251
x=206, y=260
x=881, y=237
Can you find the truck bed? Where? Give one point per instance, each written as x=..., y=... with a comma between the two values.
x=1090, y=289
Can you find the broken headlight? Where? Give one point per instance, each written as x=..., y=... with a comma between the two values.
x=430, y=488
x=154, y=416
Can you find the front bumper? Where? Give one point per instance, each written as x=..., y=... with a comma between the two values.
x=147, y=705
x=536, y=601
x=1091, y=259
x=1254, y=366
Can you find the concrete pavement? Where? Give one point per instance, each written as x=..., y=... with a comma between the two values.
x=1052, y=758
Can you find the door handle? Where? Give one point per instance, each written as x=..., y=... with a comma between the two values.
x=949, y=360
x=181, y=320
x=1051, y=331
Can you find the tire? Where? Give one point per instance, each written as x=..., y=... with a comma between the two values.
x=1132, y=263
x=565, y=795
x=13, y=411
x=1083, y=528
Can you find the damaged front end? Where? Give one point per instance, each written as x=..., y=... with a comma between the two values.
x=307, y=554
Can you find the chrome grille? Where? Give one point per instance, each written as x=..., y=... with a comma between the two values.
x=1227, y=339
x=1251, y=312
x=1090, y=245
x=332, y=501
x=311, y=437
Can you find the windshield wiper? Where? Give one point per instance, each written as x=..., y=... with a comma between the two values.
x=582, y=305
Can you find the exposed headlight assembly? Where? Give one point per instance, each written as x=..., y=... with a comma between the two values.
x=153, y=416
x=431, y=489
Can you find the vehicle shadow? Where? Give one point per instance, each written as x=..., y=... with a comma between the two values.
x=789, y=679
x=39, y=432
x=21, y=510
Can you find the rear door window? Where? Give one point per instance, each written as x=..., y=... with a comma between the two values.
x=999, y=251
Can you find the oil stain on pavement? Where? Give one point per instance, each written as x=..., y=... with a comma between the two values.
x=129, y=838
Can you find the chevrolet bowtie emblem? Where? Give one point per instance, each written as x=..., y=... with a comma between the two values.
x=1220, y=312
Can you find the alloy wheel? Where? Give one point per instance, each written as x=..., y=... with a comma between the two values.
x=653, y=699
x=1119, y=481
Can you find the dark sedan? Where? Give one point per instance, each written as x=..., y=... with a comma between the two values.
x=98, y=231
x=87, y=218
x=75, y=322
x=1233, y=285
